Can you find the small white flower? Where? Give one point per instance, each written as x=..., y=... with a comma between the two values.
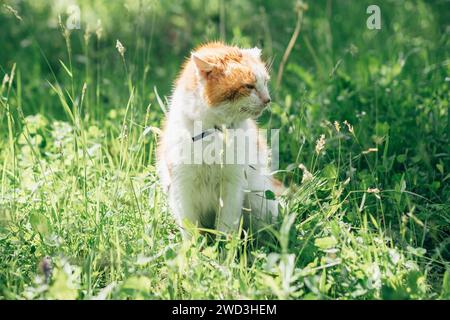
x=375, y=192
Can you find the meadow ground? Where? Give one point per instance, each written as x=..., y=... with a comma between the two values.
x=367, y=215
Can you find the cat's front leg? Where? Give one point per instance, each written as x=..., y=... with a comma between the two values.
x=230, y=208
x=184, y=208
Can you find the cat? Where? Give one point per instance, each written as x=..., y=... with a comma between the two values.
x=221, y=88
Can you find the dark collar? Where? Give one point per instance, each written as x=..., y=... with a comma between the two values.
x=207, y=132
x=204, y=134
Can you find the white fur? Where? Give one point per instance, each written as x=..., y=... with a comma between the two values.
x=214, y=195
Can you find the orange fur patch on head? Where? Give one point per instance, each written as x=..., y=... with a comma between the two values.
x=231, y=77
x=229, y=85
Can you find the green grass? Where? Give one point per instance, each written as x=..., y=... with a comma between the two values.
x=82, y=215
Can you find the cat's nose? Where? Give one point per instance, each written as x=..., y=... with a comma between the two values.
x=266, y=100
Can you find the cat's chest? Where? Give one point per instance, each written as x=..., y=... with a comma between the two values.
x=212, y=176
x=208, y=180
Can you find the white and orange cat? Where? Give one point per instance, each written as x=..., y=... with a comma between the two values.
x=222, y=88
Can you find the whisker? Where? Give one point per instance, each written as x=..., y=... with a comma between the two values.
x=269, y=63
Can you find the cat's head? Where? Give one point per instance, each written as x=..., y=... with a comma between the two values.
x=232, y=79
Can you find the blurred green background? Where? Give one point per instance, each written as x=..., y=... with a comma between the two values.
x=390, y=79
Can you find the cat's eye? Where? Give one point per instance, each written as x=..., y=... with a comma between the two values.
x=250, y=86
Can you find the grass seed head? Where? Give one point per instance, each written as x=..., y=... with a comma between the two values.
x=99, y=29
x=306, y=174
x=320, y=144
x=349, y=126
x=120, y=48
x=5, y=81
x=13, y=11
x=337, y=126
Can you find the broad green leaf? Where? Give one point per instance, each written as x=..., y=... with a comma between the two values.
x=40, y=223
x=325, y=243
x=269, y=195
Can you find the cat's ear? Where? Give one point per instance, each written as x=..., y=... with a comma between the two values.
x=253, y=52
x=202, y=65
